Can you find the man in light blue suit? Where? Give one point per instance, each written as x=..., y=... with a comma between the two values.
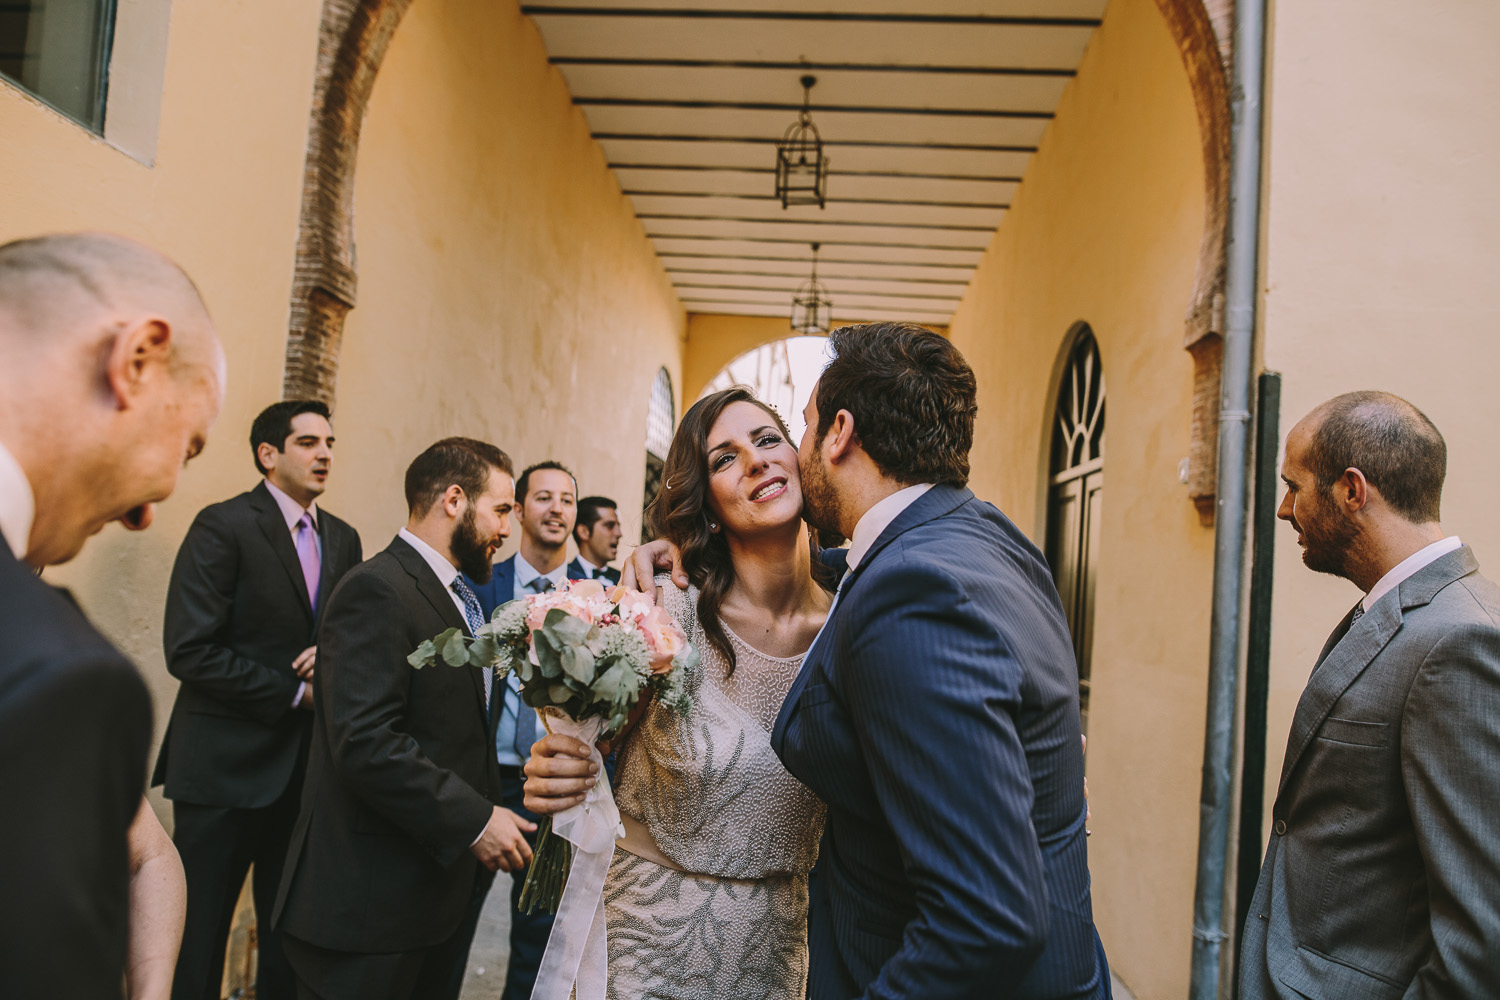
x=546, y=508
x=937, y=711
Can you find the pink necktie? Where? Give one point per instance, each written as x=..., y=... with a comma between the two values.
x=307, y=554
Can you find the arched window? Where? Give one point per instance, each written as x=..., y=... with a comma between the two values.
x=1075, y=493
x=661, y=416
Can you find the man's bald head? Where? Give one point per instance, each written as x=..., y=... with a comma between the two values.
x=1390, y=441
x=113, y=377
x=58, y=287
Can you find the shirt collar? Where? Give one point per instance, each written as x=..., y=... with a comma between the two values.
x=525, y=572
x=17, y=504
x=588, y=567
x=878, y=518
x=445, y=570
x=291, y=510
x=1409, y=566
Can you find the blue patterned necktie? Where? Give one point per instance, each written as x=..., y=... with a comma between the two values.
x=1359, y=612
x=475, y=618
x=525, y=714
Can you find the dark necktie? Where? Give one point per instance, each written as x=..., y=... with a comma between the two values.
x=475, y=618
x=525, y=714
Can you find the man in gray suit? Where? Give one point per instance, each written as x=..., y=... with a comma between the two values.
x=1380, y=880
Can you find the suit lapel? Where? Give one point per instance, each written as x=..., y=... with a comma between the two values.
x=936, y=502
x=273, y=526
x=1347, y=656
x=433, y=591
x=333, y=555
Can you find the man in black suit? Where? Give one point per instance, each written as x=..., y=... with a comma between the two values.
x=398, y=832
x=597, y=533
x=242, y=610
x=112, y=376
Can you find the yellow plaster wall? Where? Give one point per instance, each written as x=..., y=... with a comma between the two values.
x=222, y=199
x=714, y=340
x=507, y=291
x=1105, y=230
x=1381, y=259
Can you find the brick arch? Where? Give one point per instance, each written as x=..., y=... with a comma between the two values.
x=352, y=40
x=1203, y=30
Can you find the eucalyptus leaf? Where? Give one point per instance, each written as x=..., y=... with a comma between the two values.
x=484, y=651
x=424, y=655
x=578, y=663
x=455, y=647
x=617, y=684
x=567, y=629
x=558, y=693
x=547, y=655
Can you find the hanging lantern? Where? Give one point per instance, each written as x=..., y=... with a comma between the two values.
x=801, y=167
x=812, y=313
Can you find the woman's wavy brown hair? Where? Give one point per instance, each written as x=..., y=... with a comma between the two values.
x=681, y=513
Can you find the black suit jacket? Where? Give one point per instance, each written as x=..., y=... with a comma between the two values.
x=237, y=615
x=401, y=775
x=75, y=727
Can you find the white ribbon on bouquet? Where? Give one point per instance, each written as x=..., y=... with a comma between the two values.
x=576, y=949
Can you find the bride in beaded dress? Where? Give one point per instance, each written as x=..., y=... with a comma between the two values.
x=707, y=892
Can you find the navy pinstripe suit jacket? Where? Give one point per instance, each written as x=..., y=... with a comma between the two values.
x=937, y=715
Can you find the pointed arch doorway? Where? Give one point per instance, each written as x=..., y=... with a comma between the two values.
x=1075, y=494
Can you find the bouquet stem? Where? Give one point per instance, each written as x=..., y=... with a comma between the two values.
x=548, y=874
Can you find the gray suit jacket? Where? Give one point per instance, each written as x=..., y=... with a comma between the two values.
x=1382, y=877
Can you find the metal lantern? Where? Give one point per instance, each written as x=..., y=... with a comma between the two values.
x=801, y=167
x=812, y=313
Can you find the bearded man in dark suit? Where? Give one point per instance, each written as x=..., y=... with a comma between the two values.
x=1379, y=878
x=247, y=591
x=399, y=832
x=112, y=376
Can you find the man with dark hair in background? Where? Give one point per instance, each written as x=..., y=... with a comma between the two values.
x=246, y=594
x=399, y=831
x=1379, y=878
x=112, y=376
x=597, y=534
x=546, y=508
x=937, y=712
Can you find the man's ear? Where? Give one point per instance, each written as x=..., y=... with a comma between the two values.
x=133, y=356
x=267, y=454
x=840, y=441
x=1352, y=491
x=454, y=501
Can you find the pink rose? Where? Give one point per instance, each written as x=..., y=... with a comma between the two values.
x=664, y=638
x=633, y=604
x=585, y=589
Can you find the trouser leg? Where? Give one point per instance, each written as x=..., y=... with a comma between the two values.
x=216, y=849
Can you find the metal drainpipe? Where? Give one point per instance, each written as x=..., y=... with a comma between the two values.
x=1214, y=849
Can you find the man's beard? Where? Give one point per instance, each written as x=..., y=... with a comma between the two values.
x=471, y=549
x=1328, y=541
x=820, y=501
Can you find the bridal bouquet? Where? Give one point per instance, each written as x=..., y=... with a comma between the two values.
x=584, y=657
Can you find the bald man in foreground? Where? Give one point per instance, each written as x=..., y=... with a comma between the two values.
x=112, y=376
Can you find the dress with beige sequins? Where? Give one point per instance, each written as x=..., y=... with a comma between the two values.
x=715, y=797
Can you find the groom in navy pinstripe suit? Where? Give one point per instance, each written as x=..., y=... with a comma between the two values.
x=937, y=711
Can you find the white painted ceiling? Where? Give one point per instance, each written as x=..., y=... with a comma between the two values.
x=929, y=113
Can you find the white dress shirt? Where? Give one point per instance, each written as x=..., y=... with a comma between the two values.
x=878, y=518
x=525, y=573
x=1409, y=566
x=588, y=567
x=869, y=528
x=17, y=504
